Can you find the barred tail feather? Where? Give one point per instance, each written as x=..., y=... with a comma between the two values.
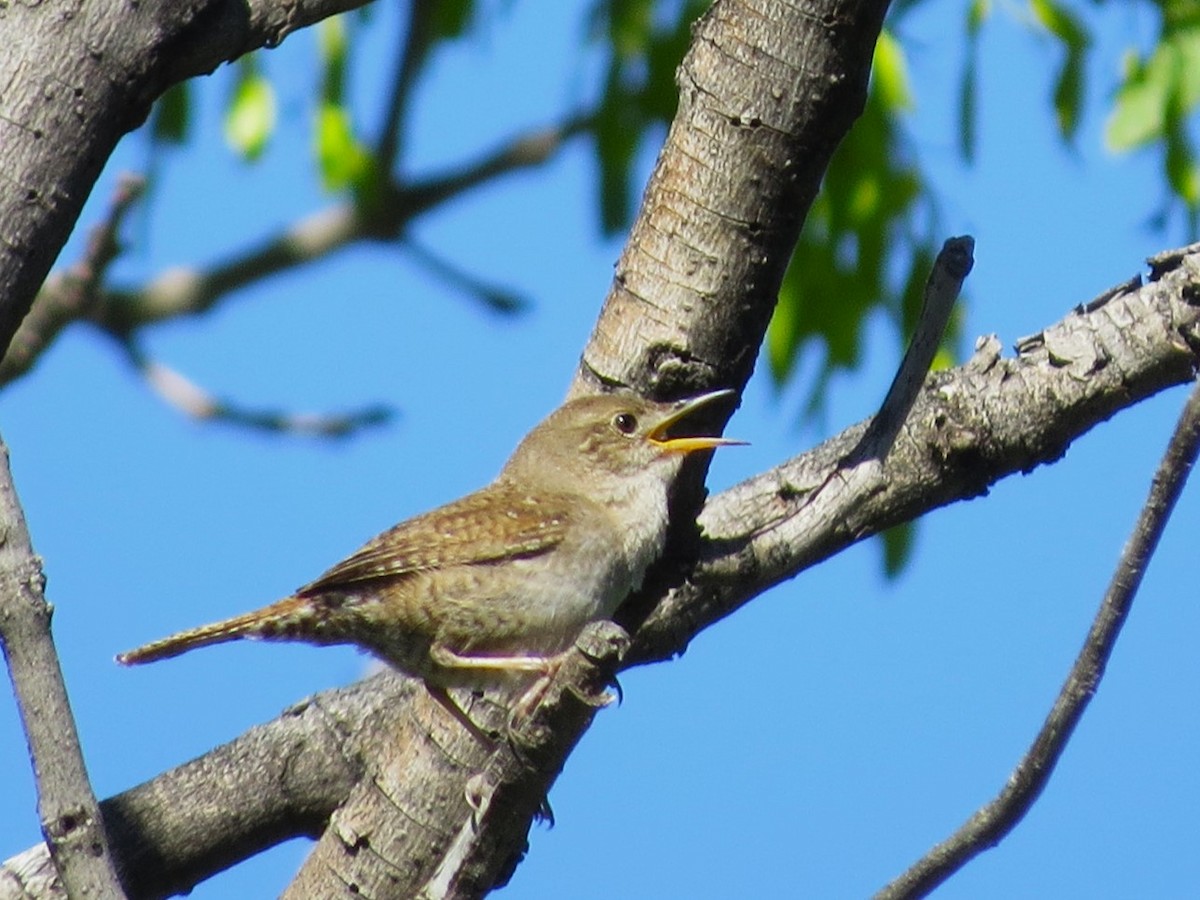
x=279, y=620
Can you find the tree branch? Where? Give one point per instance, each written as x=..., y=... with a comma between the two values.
x=185, y=291
x=70, y=816
x=85, y=80
x=971, y=427
x=993, y=822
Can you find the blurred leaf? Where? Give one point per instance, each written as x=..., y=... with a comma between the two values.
x=968, y=92
x=171, y=116
x=1165, y=85
x=898, y=542
x=1137, y=116
x=1180, y=165
x=890, y=73
x=977, y=13
x=1060, y=22
x=639, y=90
x=629, y=23
x=450, y=18
x=618, y=128
x=343, y=160
x=250, y=118
x=1068, y=95
x=332, y=42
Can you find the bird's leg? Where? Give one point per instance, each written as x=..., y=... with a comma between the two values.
x=442, y=696
x=544, y=666
x=451, y=660
x=536, y=692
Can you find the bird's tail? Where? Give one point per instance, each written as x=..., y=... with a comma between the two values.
x=279, y=621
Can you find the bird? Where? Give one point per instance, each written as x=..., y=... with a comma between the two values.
x=498, y=584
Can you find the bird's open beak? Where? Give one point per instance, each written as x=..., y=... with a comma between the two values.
x=657, y=434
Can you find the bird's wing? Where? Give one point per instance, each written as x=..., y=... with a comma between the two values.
x=491, y=525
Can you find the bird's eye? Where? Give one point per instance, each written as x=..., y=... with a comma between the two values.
x=625, y=422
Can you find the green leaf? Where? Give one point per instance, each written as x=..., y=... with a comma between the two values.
x=1155, y=92
x=250, y=119
x=629, y=26
x=890, y=71
x=332, y=43
x=450, y=18
x=1069, y=82
x=172, y=113
x=978, y=13
x=1068, y=94
x=1138, y=111
x=898, y=542
x=342, y=159
x=1060, y=22
x=1180, y=165
x=968, y=95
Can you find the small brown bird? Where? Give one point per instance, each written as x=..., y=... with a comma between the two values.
x=501, y=580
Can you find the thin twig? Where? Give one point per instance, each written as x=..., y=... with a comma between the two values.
x=71, y=294
x=413, y=48
x=70, y=816
x=992, y=822
x=492, y=297
x=193, y=290
x=192, y=400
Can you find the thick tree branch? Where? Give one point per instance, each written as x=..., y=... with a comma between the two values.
x=289, y=774
x=972, y=426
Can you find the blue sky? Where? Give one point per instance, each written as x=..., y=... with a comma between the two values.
x=814, y=743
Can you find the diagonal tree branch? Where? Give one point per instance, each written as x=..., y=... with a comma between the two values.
x=994, y=821
x=971, y=427
x=71, y=822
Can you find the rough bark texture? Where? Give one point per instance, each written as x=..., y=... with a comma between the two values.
x=766, y=93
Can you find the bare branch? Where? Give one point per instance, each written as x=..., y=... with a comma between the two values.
x=193, y=401
x=187, y=291
x=970, y=427
x=993, y=822
x=70, y=816
x=492, y=297
x=82, y=85
x=413, y=47
x=71, y=295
